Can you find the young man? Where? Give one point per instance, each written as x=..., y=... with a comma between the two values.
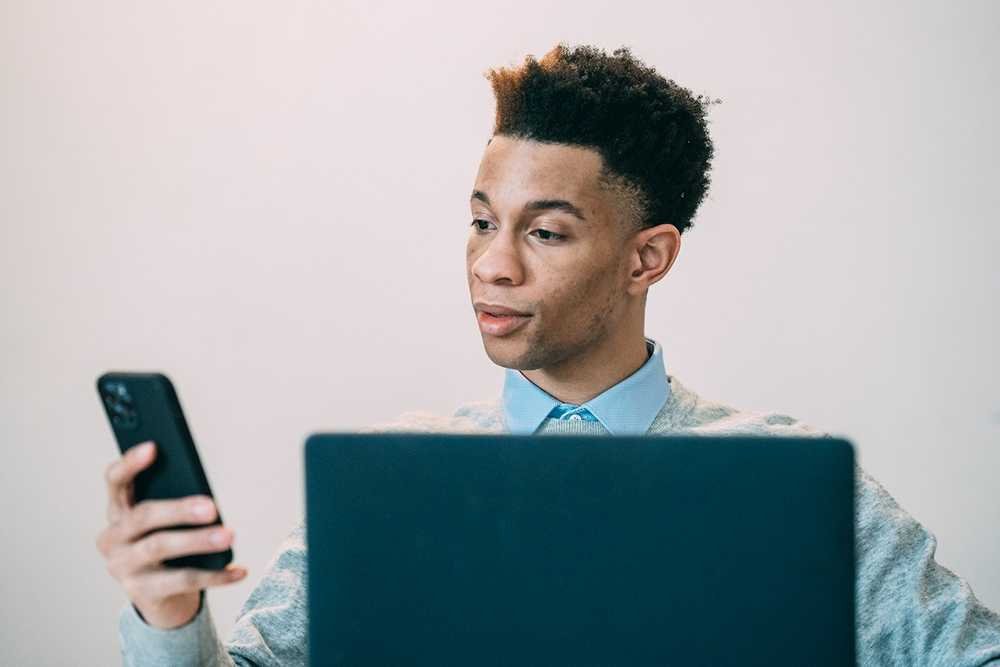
x=595, y=169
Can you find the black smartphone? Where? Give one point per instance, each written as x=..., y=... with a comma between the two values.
x=144, y=406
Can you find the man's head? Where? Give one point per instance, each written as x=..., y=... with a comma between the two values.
x=595, y=168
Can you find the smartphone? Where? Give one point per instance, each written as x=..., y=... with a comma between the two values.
x=144, y=406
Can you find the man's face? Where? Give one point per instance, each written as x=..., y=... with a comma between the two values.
x=529, y=251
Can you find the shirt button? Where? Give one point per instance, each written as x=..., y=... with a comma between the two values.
x=575, y=417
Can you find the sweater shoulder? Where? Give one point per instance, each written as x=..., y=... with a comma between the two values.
x=487, y=415
x=696, y=414
x=474, y=417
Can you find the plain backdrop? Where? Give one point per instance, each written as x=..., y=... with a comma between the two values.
x=268, y=201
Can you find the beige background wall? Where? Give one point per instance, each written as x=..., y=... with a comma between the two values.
x=268, y=202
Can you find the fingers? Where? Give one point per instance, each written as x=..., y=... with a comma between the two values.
x=150, y=515
x=163, y=583
x=152, y=550
x=120, y=474
x=138, y=539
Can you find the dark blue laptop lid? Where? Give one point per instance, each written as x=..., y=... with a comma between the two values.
x=441, y=549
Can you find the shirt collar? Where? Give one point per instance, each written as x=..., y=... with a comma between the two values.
x=628, y=408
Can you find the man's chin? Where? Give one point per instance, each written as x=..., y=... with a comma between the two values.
x=508, y=353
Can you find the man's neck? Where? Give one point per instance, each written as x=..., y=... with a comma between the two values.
x=580, y=378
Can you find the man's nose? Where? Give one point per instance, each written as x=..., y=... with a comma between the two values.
x=499, y=261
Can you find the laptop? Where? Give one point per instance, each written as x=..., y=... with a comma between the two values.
x=454, y=549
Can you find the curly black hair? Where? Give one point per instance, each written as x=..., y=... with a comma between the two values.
x=651, y=133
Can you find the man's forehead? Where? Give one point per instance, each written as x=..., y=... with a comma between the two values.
x=537, y=170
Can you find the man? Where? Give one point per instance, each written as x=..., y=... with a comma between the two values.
x=595, y=169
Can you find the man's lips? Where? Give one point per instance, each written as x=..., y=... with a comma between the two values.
x=500, y=325
x=498, y=310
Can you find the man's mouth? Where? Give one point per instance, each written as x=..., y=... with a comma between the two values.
x=497, y=310
x=500, y=324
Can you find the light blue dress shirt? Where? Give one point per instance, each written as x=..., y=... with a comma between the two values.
x=627, y=408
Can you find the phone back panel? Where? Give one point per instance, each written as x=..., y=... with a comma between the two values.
x=144, y=406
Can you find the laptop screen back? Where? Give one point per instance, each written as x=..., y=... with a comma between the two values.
x=434, y=549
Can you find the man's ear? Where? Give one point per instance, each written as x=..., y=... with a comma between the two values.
x=651, y=254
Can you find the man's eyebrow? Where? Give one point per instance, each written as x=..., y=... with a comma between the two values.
x=539, y=205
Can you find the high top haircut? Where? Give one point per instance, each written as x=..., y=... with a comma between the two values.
x=650, y=132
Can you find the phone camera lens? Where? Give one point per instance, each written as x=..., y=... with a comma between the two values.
x=119, y=405
x=117, y=390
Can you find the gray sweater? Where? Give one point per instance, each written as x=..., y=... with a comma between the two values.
x=910, y=609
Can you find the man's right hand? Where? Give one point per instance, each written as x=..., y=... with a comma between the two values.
x=166, y=597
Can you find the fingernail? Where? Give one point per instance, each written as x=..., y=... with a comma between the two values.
x=144, y=449
x=203, y=508
x=217, y=537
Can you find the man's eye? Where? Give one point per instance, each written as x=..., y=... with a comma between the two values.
x=546, y=235
x=543, y=234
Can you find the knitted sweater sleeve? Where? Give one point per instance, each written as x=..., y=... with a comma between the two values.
x=270, y=629
x=910, y=609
